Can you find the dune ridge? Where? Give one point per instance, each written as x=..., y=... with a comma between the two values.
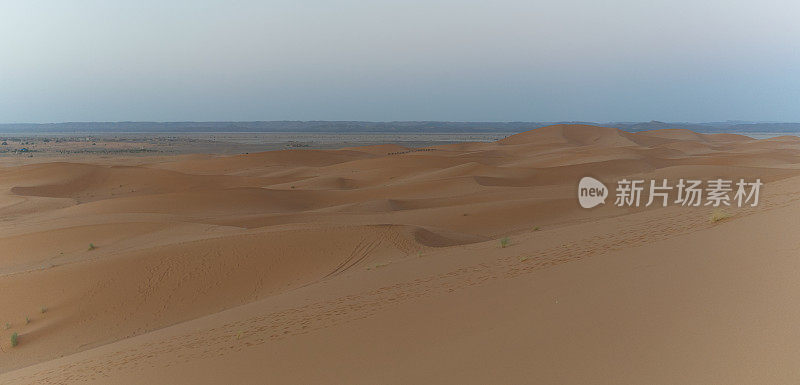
x=209, y=265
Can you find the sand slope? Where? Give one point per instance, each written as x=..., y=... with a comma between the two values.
x=382, y=265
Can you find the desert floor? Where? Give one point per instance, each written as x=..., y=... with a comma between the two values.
x=383, y=265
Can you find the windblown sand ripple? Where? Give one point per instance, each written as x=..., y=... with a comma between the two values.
x=382, y=264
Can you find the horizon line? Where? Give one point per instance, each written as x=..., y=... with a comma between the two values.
x=734, y=121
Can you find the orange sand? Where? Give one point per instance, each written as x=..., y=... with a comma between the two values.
x=360, y=267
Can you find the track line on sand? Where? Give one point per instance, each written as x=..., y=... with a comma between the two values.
x=257, y=330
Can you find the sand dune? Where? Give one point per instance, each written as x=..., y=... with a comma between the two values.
x=382, y=264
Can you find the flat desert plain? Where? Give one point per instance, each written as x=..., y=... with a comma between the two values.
x=465, y=263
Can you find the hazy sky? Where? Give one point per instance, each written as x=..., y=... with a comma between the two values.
x=463, y=60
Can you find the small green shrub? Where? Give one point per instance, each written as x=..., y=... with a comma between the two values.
x=27, y=320
x=8, y=326
x=92, y=246
x=14, y=339
x=505, y=242
x=379, y=265
x=718, y=215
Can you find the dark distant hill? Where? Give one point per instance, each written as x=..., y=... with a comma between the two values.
x=270, y=126
x=656, y=125
x=370, y=127
x=767, y=127
x=711, y=127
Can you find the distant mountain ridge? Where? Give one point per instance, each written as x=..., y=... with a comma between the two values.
x=376, y=127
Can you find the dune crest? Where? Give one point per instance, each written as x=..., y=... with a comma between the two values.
x=207, y=264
